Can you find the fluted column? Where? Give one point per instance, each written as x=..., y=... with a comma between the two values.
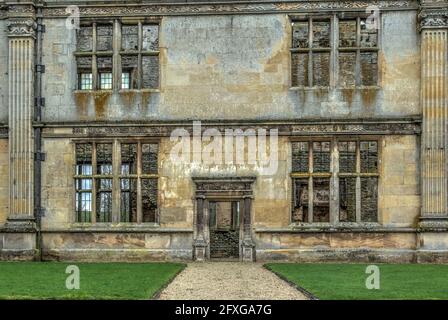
x=21, y=34
x=434, y=91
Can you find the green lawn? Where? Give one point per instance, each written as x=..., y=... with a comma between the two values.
x=347, y=281
x=46, y=280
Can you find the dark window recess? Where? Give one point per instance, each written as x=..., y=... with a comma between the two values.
x=84, y=39
x=347, y=156
x=369, y=68
x=212, y=214
x=104, y=200
x=129, y=64
x=145, y=52
x=104, y=64
x=321, y=156
x=104, y=36
x=128, y=158
x=300, y=157
x=369, y=35
x=150, y=66
x=308, y=45
x=83, y=159
x=321, y=200
x=299, y=72
x=369, y=199
x=149, y=200
x=369, y=156
x=321, y=69
x=347, y=66
x=321, y=34
x=149, y=158
x=84, y=67
x=150, y=35
x=300, y=198
x=128, y=201
x=347, y=33
x=129, y=37
x=104, y=186
x=347, y=199
x=300, y=35
x=104, y=158
x=83, y=186
x=358, y=53
x=83, y=200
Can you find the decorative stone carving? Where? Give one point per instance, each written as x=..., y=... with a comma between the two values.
x=21, y=27
x=233, y=188
x=17, y=10
x=230, y=7
x=433, y=19
x=377, y=127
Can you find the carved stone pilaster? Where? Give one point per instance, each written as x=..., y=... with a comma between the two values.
x=434, y=90
x=21, y=65
x=200, y=245
x=247, y=245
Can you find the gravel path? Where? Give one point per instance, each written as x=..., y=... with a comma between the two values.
x=228, y=281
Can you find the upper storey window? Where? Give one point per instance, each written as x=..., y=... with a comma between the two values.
x=310, y=55
x=94, y=56
x=139, y=56
x=112, y=56
x=332, y=51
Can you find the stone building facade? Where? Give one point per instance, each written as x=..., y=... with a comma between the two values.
x=116, y=120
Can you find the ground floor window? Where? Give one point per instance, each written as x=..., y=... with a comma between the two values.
x=335, y=180
x=116, y=181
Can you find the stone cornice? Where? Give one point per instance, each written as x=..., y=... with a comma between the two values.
x=224, y=7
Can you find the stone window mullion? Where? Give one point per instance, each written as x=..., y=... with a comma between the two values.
x=334, y=35
x=116, y=160
x=116, y=60
x=139, y=59
x=310, y=182
x=310, y=56
x=334, y=183
x=139, y=183
x=358, y=181
x=94, y=57
x=94, y=182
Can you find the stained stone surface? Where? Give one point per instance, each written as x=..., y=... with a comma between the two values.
x=229, y=281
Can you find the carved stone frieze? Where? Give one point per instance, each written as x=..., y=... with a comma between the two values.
x=399, y=127
x=204, y=185
x=224, y=7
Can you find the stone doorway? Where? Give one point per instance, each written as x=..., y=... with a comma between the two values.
x=224, y=229
x=223, y=221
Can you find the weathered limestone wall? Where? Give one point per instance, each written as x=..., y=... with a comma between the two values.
x=57, y=183
x=271, y=192
x=118, y=246
x=399, y=206
x=223, y=67
x=4, y=180
x=337, y=246
x=399, y=189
